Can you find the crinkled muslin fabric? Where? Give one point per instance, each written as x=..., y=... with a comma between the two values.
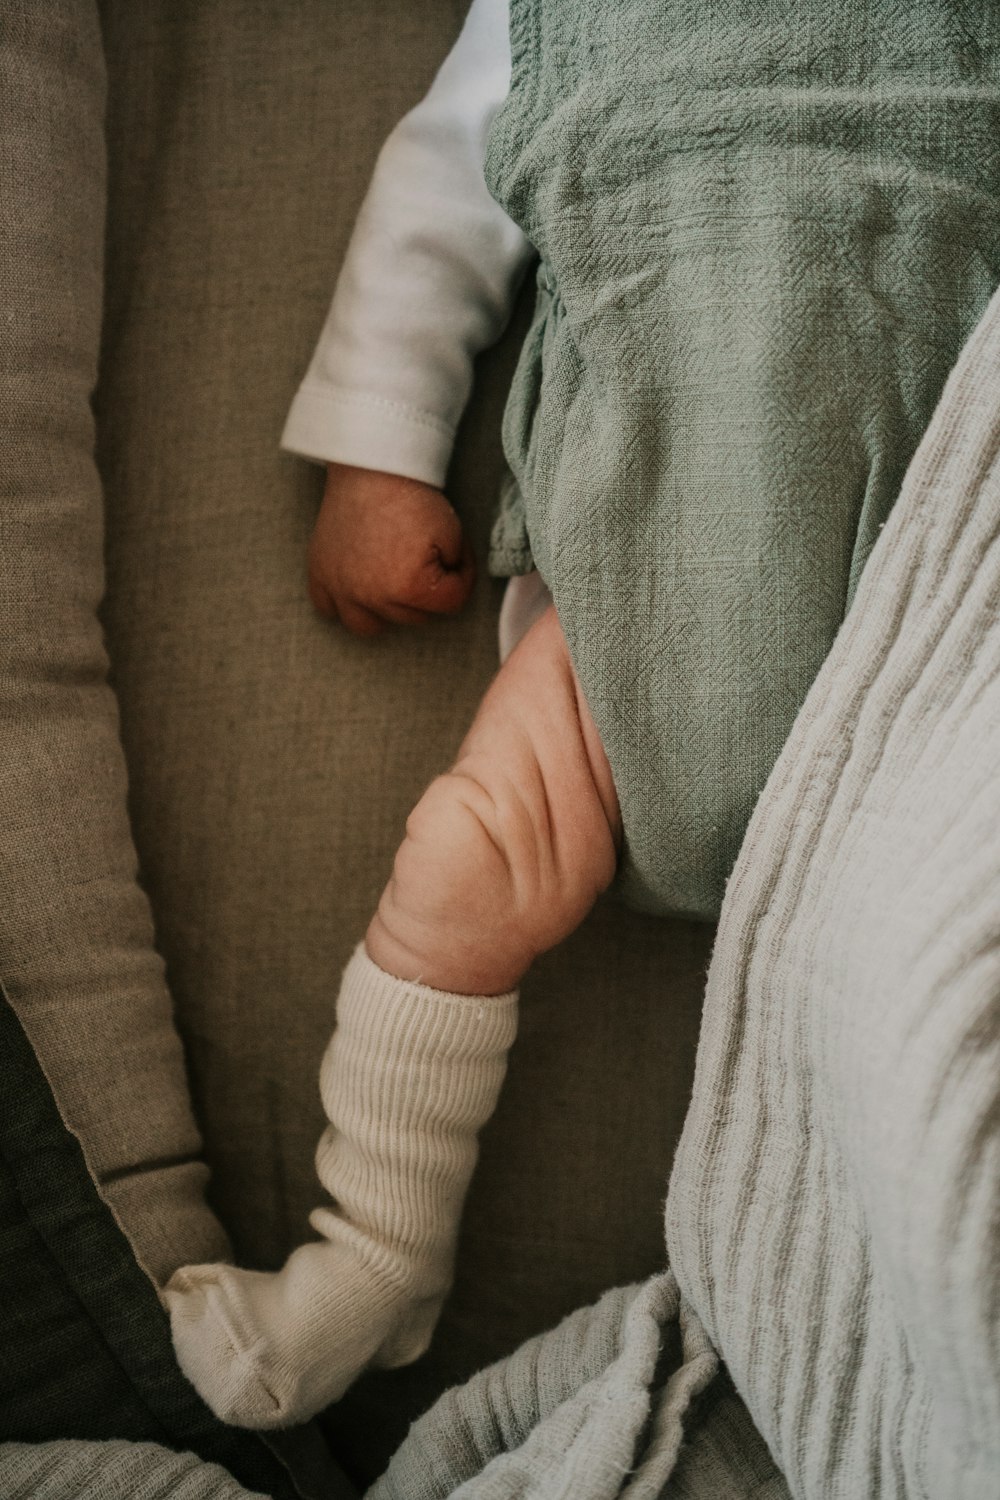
x=833, y=1217
x=567, y=1413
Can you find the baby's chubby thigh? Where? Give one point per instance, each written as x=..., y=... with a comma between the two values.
x=506, y=852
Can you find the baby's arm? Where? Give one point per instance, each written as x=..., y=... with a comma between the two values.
x=428, y=281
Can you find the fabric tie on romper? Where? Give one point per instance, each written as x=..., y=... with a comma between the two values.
x=764, y=241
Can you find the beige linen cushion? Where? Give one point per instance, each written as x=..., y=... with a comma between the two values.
x=76, y=941
x=273, y=759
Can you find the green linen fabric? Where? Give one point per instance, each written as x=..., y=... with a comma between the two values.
x=765, y=234
x=76, y=936
x=86, y=1345
x=834, y=1212
x=273, y=759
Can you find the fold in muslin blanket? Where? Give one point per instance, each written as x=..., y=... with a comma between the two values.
x=833, y=1219
x=600, y=1398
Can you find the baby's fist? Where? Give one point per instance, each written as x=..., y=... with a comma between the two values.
x=386, y=550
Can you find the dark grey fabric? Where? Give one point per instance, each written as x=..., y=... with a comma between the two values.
x=86, y=1344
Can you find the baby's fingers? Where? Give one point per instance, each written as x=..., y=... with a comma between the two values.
x=359, y=619
x=442, y=588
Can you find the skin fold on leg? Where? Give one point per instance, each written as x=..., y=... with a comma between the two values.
x=505, y=854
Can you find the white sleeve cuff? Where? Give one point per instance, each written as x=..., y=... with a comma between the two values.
x=333, y=424
x=428, y=280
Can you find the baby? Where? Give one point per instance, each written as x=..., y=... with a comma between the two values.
x=761, y=249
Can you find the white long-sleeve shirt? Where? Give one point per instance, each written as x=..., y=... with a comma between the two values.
x=428, y=281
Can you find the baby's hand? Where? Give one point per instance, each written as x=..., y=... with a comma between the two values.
x=386, y=550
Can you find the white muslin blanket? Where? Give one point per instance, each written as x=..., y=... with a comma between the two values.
x=834, y=1211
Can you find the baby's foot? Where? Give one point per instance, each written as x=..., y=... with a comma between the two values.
x=268, y=1350
x=408, y=1079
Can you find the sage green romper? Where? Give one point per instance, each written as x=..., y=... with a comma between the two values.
x=766, y=230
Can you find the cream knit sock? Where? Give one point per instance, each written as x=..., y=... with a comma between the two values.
x=410, y=1076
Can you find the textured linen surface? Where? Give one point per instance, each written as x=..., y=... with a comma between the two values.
x=765, y=234
x=76, y=938
x=834, y=1213
x=272, y=758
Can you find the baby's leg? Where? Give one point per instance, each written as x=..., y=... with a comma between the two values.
x=503, y=856
x=506, y=853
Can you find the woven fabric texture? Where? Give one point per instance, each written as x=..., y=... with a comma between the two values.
x=76, y=933
x=111, y=1471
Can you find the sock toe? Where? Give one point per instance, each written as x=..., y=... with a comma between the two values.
x=222, y=1358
